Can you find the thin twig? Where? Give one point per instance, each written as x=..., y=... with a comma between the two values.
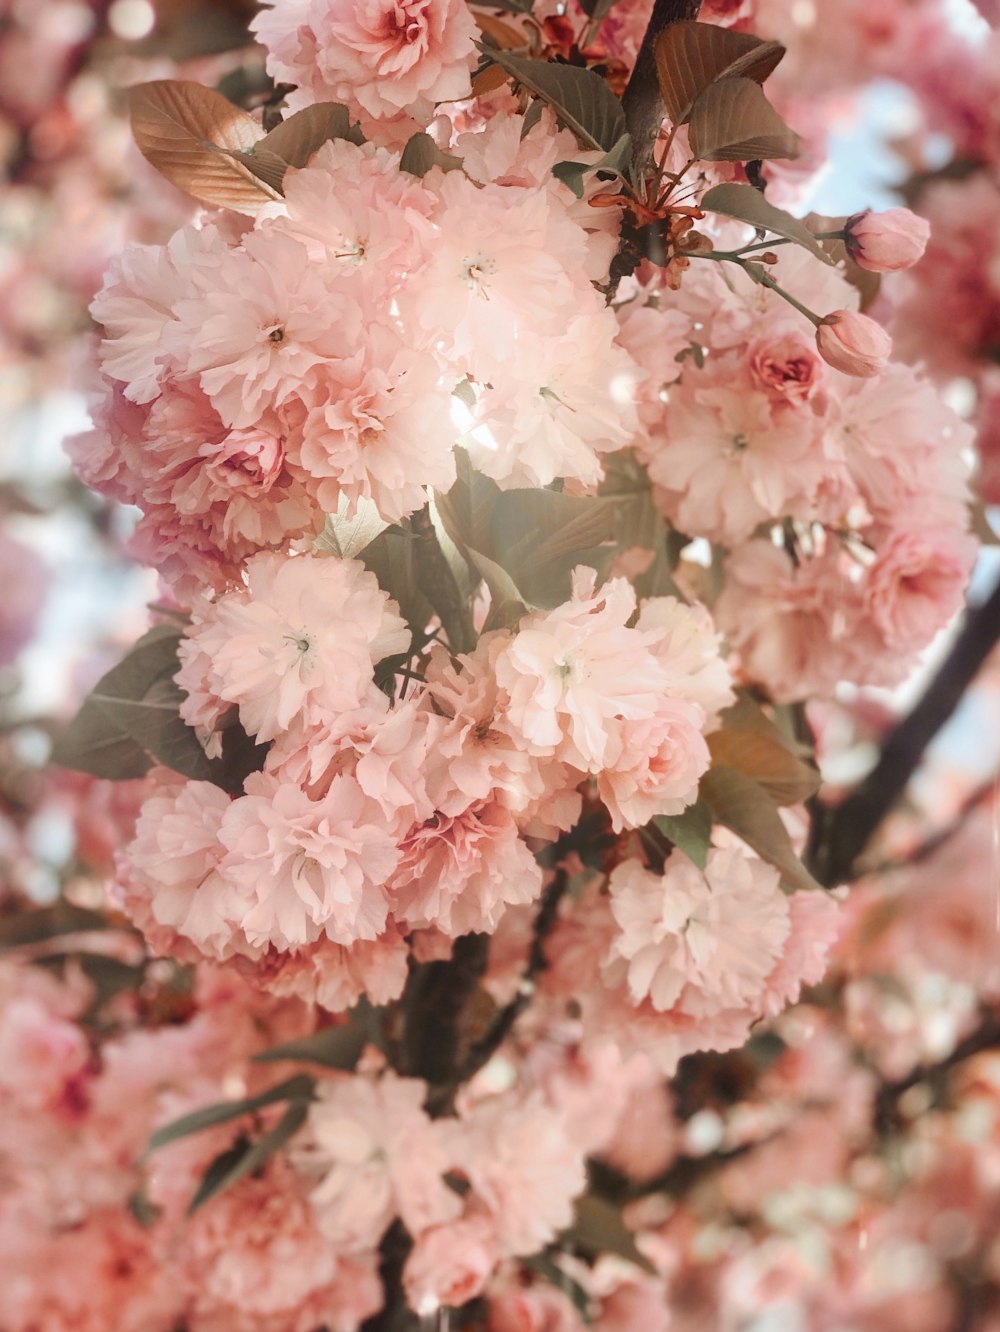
x=840, y=835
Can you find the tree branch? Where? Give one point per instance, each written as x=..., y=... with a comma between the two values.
x=840, y=835
x=503, y=1023
x=642, y=102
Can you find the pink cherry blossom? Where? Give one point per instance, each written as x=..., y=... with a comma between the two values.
x=458, y=872
x=378, y=57
x=307, y=868
x=449, y=1264
x=566, y=677
x=375, y=1155
x=662, y=758
x=522, y=1168
x=916, y=583
x=303, y=637
x=701, y=941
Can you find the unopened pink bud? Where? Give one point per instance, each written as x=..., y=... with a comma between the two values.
x=853, y=344
x=887, y=242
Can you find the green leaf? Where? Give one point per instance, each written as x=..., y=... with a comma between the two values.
x=391, y=557
x=615, y=162
x=748, y=205
x=690, y=56
x=540, y=536
x=132, y=713
x=743, y=806
x=732, y=121
x=598, y=1228
x=294, y=142
x=507, y=603
x=245, y=1158
x=571, y=174
x=333, y=1047
x=581, y=99
x=298, y=1088
x=421, y=153
x=690, y=831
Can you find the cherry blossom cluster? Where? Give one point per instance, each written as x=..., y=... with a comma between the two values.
x=376, y=820
x=539, y=795
x=260, y=379
x=841, y=502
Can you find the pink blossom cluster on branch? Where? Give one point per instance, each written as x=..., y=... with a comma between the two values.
x=511, y=487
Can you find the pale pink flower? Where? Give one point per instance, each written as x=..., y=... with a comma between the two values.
x=353, y=208
x=375, y=1155
x=475, y=755
x=135, y=308
x=171, y=881
x=573, y=673
x=796, y=628
x=458, y=873
x=731, y=457
x=502, y=153
x=307, y=868
x=688, y=646
x=661, y=761
x=387, y=749
x=505, y=263
x=379, y=57
x=522, y=1167
x=450, y=1264
x=815, y=921
x=701, y=941
x=654, y=336
x=257, y=1256
x=917, y=582
x=539, y=1308
x=41, y=1054
x=300, y=640
x=262, y=323
x=906, y=449
x=554, y=405
x=194, y=476
x=382, y=431
x=887, y=242
x=333, y=976
x=853, y=344
x=784, y=363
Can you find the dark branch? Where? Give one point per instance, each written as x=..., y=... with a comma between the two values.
x=985, y=1037
x=841, y=834
x=503, y=1023
x=642, y=102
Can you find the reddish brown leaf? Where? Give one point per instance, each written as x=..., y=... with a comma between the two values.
x=691, y=56
x=194, y=136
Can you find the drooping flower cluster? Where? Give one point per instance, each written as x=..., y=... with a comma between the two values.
x=374, y=819
x=440, y=448
x=263, y=379
x=841, y=501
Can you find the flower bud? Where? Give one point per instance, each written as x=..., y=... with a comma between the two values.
x=886, y=242
x=852, y=343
